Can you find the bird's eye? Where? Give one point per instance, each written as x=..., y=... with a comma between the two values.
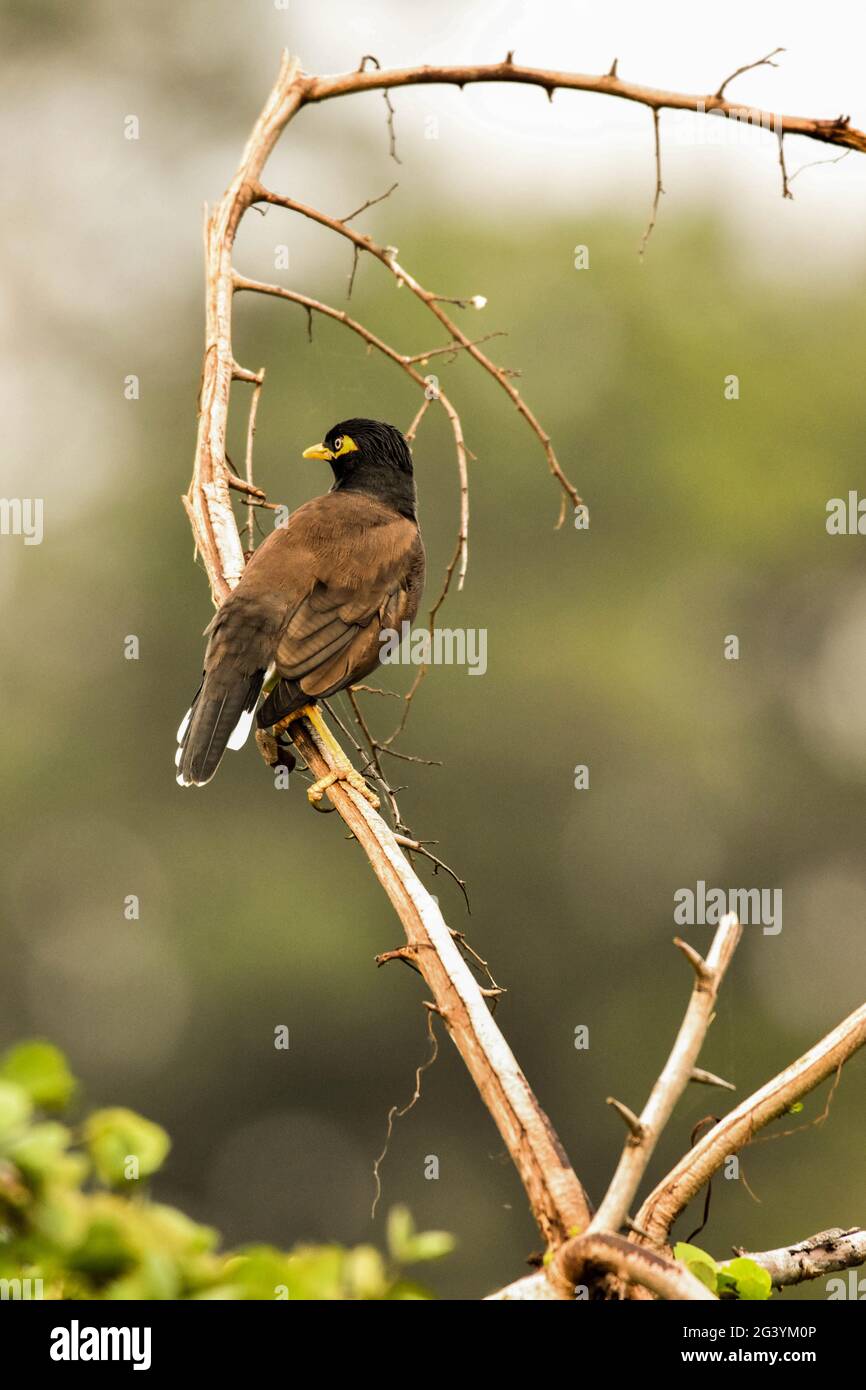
x=338, y=444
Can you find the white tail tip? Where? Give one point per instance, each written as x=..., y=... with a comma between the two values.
x=241, y=731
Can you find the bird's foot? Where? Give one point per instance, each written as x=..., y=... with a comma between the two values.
x=342, y=774
x=267, y=746
x=275, y=752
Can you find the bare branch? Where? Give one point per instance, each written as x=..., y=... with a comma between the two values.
x=248, y=462
x=370, y=203
x=635, y=1127
x=706, y=1078
x=786, y=189
x=738, y=1128
x=838, y=131
x=747, y=67
x=658, y=189
x=398, y=1111
x=662, y=1276
x=387, y=256
x=813, y=164
x=554, y=1193
x=674, y=1078
x=818, y=1256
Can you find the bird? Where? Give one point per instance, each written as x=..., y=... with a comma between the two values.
x=305, y=619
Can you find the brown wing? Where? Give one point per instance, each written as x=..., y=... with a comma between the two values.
x=343, y=567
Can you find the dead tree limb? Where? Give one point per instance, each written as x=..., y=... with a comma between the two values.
x=675, y=1077
x=814, y=1258
x=737, y=1129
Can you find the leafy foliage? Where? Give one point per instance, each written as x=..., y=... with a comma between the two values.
x=74, y=1213
x=740, y=1278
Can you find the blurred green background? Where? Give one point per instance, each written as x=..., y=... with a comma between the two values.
x=604, y=648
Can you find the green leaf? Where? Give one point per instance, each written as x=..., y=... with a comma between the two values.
x=174, y=1231
x=750, y=1280
x=113, y=1137
x=42, y=1070
x=701, y=1265
x=428, y=1245
x=795, y=1108
x=400, y=1230
x=41, y=1149
x=105, y=1251
x=16, y=1108
x=365, y=1272
x=404, y=1291
x=408, y=1246
x=155, y=1278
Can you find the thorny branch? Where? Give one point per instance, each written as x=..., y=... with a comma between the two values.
x=555, y=1195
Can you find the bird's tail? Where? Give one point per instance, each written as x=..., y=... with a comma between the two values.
x=219, y=717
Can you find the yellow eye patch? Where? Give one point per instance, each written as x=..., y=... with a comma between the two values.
x=343, y=444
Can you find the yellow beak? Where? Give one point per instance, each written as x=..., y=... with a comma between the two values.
x=317, y=451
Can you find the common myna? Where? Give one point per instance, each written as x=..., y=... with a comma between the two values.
x=304, y=621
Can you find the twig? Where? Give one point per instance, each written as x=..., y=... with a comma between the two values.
x=658, y=189
x=674, y=1078
x=747, y=67
x=398, y=1111
x=387, y=256
x=373, y=749
x=419, y=416
x=786, y=191
x=251, y=434
x=420, y=848
x=370, y=203
x=392, y=135
x=454, y=348
x=813, y=164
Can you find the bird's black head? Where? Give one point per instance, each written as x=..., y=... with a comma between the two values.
x=370, y=456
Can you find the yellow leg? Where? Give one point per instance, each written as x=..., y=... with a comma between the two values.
x=343, y=772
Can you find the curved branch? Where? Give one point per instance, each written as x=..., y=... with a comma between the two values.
x=829, y=132
x=387, y=255
x=631, y=1263
x=736, y=1130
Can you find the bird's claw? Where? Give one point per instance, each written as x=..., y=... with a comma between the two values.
x=341, y=774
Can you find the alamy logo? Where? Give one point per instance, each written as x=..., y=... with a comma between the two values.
x=445, y=646
x=22, y=516
x=21, y=1289
x=730, y=126
x=77, y=1343
x=702, y=906
x=846, y=516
